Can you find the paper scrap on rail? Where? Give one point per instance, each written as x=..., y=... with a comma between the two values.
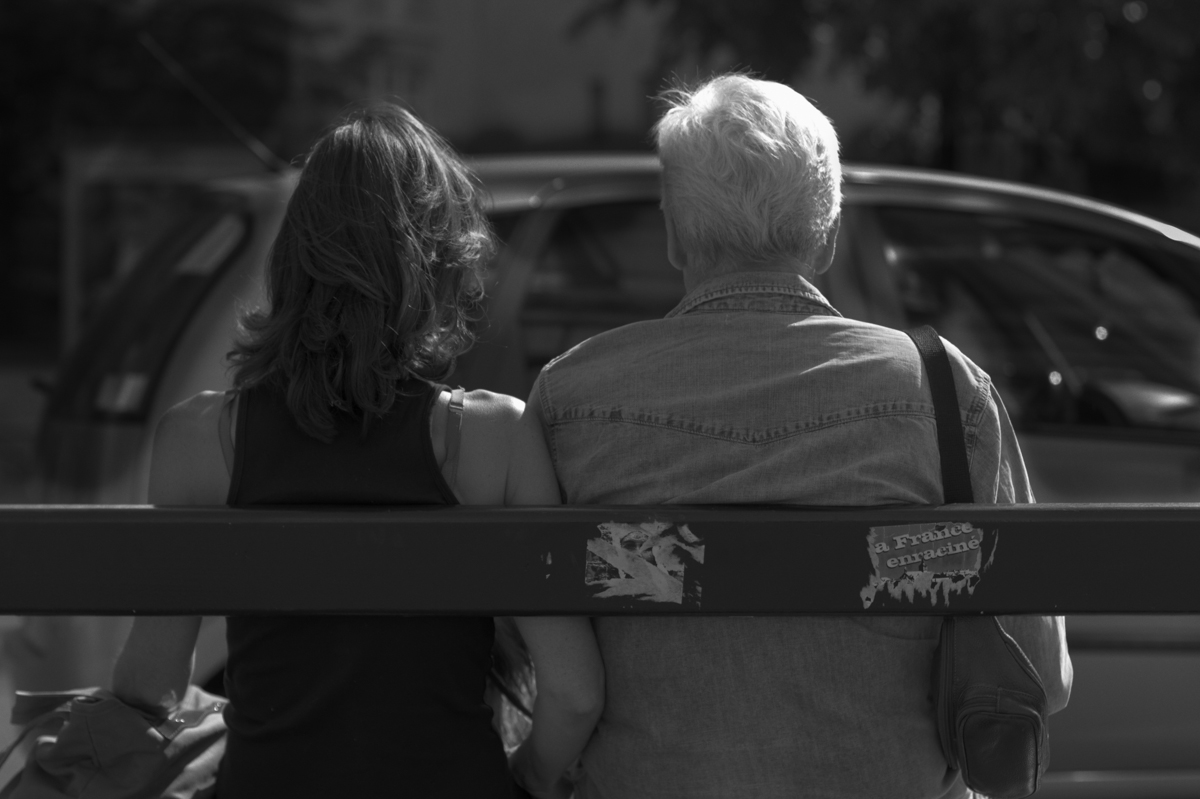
x=924, y=559
x=653, y=561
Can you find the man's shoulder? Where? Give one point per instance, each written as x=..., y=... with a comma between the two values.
x=618, y=343
x=602, y=369
x=966, y=372
x=865, y=354
x=668, y=336
x=889, y=345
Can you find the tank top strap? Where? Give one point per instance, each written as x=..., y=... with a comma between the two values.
x=454, y=435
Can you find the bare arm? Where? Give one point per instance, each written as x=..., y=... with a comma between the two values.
x=570, y=697
x=155, y=667
x=570, y=673
x=186, y=468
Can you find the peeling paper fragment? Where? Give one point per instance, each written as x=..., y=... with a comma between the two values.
x=652, y=561
x=925, y=559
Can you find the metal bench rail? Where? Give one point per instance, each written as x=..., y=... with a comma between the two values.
x=712, y=560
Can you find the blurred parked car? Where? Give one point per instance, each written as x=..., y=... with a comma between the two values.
x=1086, y=316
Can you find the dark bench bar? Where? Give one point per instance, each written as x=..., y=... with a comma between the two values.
x=666, y=559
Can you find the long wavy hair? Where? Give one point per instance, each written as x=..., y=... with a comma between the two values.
x=375, y=276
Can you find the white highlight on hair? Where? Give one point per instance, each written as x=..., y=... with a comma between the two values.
x=750, y=171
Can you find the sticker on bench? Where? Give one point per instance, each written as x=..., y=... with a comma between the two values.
x=652, y=561
x=925, y=559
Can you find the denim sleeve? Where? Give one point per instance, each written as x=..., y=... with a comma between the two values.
x=998, y=477
x=1044, y=640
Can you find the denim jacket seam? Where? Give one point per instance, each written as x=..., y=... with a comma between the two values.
x=760, y=288
x=812, y=310
x=689, y=304
x=547, y=416
x=914, y=410
x=975, y=413
x=717, y=295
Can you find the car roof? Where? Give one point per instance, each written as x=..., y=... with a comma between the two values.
x=518, y=182
x=969, y=193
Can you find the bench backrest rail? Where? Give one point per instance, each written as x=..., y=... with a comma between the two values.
x=966, y=559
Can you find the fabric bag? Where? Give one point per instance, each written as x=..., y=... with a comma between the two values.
x=91, y=745
x=989, y=701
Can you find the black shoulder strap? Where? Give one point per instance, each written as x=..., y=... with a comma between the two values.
x=956, y=473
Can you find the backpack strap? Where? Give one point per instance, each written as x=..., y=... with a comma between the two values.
x=952, y=447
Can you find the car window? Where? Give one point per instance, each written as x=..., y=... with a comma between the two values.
x=113, y=372
x=121, y=223
x=603, y=266
x=1074, y=327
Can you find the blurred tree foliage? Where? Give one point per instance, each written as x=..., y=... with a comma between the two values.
x=1089, y=95
x=770, y=36
x=74, y=71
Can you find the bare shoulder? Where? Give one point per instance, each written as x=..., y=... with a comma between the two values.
x=495, y=409
x=187, y=466
x=492, y=421
x=495, y=442
x=193, y=414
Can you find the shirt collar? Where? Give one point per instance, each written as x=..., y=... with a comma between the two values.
x=733, y=284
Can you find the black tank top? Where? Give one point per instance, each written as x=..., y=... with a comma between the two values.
x=353, y=706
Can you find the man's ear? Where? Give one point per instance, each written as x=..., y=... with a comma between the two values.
x=675, y=253
x=824, y=257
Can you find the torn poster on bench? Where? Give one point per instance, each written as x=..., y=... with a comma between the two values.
x=653, y=561
x=925, y=559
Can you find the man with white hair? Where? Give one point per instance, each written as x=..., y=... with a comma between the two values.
x=754, y=389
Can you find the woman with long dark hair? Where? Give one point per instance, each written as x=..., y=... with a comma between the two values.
x=373, y=281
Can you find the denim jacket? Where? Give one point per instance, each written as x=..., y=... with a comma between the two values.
x=755, y=390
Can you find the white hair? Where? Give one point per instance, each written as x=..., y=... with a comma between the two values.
x=750, y=171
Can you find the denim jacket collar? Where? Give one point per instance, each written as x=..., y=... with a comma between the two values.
x=778, y=292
